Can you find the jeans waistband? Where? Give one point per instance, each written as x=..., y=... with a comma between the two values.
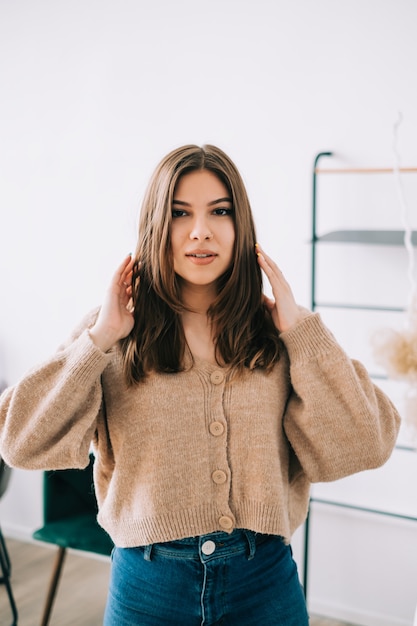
x=207, y=547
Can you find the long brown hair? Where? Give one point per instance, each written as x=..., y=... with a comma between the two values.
x=245, y=335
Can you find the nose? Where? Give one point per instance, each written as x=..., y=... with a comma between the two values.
x=201, y=230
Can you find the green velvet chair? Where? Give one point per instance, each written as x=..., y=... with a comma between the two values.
x=70, y=510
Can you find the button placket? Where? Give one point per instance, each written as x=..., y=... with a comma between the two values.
x=216, y=427
x=221, y=474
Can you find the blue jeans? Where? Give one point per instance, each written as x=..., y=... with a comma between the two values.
x=220, y=579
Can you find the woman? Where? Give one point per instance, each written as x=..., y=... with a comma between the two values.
x=211, y=409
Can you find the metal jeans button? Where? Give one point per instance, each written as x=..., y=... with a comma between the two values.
x=208, y=547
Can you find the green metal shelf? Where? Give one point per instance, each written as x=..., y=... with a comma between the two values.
x=362, y=236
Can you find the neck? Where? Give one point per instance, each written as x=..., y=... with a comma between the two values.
x=198, y=298
x=197, y=327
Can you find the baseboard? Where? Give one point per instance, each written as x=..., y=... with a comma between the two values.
x=20, y=533
x=354, y=616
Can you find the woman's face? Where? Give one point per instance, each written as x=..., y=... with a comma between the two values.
x=202, y=231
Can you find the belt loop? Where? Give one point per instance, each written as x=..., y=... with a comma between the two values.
x=250, y=536
x=147, y=552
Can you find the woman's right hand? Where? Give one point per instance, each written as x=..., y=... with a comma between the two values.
x=115, y=319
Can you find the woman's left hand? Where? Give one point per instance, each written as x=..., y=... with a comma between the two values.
x=284, y=310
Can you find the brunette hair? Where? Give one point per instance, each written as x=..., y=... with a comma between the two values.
x=245, y=336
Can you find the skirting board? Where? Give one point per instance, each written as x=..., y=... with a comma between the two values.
x=20, y=533
x=360, y=618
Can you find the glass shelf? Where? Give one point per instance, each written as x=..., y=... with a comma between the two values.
x=357, y=307
x=377, y=237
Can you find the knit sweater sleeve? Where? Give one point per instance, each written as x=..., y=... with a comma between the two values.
x=47, y=420
x=337, y=421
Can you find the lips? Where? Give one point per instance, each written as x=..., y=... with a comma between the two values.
x=201, y=254
x=201, y=257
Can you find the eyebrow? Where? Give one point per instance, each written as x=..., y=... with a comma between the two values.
x=182, y=203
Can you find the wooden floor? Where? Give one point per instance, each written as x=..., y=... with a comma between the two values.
x=82, y=591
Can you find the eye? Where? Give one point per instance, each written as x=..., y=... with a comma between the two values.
x=178, y=213
x=223, y=211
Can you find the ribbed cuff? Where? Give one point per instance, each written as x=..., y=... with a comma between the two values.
x=308, y=339
x=85, y=361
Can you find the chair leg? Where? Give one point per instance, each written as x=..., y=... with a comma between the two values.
x=6, y=558
x=53, y=585
x=5, y=568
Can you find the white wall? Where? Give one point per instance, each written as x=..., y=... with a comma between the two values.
x=94, y=92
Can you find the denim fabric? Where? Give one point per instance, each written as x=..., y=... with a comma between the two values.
x=246, y=580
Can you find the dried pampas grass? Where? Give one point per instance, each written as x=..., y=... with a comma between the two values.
x=397, y=352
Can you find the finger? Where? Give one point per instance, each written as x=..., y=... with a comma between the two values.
x=267, y=258
x=127, y=279
x=122, y=267
x=124, y=270
x=270, y=268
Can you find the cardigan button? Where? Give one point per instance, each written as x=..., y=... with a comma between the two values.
x=217, y=377
x=219, y=477
x=226, y=522
x=216, y=429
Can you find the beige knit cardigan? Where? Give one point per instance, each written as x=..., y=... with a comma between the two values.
x=194, y=452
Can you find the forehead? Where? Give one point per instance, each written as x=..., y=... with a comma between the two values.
x=200, y=185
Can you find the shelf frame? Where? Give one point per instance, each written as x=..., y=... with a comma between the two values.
x=368, y=237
